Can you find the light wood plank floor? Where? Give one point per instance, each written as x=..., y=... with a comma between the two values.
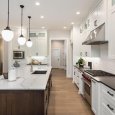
x=64, y=98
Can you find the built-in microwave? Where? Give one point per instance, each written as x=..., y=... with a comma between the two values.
x=18, y=55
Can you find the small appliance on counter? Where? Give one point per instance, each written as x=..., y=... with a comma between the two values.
x=12, y=74
x=90, y=65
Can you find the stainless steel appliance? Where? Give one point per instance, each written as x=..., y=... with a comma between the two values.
x=87, y=75
x=18, y=54
x=96, y=37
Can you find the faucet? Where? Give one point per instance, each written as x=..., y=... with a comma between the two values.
x=31, y=69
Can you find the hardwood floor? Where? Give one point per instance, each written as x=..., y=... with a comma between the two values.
x=64, y=98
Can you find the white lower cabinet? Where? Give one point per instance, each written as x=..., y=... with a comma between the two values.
x=95, y=97
x=107, y=101
x=76, y=77
x=105, y=110
x=81, y=83
x=78, y=80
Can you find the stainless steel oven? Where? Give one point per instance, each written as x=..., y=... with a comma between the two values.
x=87, y=88
x=18, y=54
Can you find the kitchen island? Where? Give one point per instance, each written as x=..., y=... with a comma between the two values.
x=28, y=95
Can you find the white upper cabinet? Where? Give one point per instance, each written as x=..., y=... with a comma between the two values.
x=39, y=39
x=111, y=28
x=102, y=13
x=98, y=16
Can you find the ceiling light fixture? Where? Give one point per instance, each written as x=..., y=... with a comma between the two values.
x=21, y=39
x=42, y=17
x=29, y=42
x=43, y=27
x=37, y=3
x=65, y=27
x=7, y=33
x=78, y=13
x=72, y=23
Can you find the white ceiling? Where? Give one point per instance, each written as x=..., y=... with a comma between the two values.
x=58, y=13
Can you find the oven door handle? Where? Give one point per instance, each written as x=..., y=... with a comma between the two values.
x=86, y=82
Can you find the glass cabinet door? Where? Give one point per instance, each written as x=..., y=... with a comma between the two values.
x=113, y=2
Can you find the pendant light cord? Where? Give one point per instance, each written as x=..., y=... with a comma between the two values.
x=21, y=17
x=29, y=26
x=8, y=15
x=21, y=20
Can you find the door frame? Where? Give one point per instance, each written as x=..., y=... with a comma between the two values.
x=59, y=55
x=66, y=43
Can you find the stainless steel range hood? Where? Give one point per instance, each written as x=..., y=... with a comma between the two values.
x=96, y=37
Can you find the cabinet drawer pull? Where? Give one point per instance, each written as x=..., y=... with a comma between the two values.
x=93, y=81
x=110, y=107
x=110, y=93
x=95, y=23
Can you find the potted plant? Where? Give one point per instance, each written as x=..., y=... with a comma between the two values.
x=81, y=62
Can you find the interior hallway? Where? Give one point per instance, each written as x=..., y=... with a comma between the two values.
x=64, y=98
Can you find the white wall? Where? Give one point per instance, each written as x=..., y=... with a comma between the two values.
x=60, y=45
x=61, y=35
x=76, y=43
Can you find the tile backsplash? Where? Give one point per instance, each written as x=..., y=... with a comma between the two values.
x=103, y=64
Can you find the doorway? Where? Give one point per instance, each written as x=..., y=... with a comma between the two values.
x=58, y=54
x=55, y=58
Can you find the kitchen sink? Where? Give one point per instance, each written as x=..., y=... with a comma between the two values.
x=39, y=72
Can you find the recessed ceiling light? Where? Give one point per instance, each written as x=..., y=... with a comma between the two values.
x=78, y=13
x=43, y=27
x=37, y=3
x=65, y=27
x=42, y=17
x=72, y=23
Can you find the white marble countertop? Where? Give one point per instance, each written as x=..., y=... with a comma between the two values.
x=26, y=80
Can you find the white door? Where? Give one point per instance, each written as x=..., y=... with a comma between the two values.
x=55, y=58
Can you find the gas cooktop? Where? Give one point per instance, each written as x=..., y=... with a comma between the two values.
x=98, y=73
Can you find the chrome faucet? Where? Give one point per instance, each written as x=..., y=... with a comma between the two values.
x=31, y=69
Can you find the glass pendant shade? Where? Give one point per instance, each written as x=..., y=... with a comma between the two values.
x=7, y=34
x=29, y=43
x=21, y=40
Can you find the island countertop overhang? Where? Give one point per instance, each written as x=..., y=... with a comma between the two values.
x=26, y=80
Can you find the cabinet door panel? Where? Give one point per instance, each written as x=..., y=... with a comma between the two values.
x=101, y=13
x=3, y=107
x=112, y=36
x=26, y=103
x=94, y=92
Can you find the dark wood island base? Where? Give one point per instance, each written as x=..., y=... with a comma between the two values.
x=25, y=102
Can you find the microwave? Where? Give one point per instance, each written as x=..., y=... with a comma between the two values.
x=18, y=55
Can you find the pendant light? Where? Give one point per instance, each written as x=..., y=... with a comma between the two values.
x=7, y=33
x=21, y=39
x=29, y=42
